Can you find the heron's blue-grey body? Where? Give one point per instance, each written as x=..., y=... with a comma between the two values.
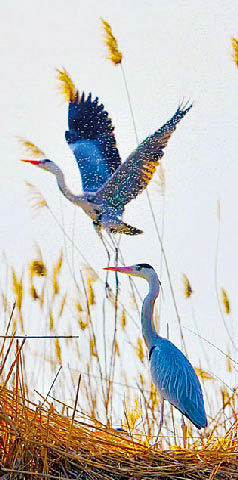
x=177, y=381
x=107, y=183
x=172, y=373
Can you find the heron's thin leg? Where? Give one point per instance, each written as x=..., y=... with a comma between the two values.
x=98, y=230
x=184, y=430
x=115, y=245
x=161, y=420
x=116, y=265
x=112, y=240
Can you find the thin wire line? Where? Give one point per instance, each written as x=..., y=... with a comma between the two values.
x=40, y=336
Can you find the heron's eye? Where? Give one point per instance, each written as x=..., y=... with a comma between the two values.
x=138, y=268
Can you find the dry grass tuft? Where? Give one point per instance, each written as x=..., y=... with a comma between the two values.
x=36, y=440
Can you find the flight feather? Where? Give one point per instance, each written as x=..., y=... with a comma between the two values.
x=135, y=173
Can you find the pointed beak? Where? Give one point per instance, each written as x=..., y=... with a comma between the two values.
x=119, y=269
x=33, y=162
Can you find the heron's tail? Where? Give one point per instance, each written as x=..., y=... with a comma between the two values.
x=125, y=228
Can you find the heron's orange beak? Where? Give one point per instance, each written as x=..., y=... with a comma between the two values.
x=34, y=162
x=119, y=269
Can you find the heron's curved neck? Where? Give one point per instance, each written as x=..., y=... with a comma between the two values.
x=148, y=329
x=65, y=190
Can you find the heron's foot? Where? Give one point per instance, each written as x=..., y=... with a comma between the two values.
x=158, y=434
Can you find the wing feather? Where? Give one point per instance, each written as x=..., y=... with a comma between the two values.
x=177, y=381
x=135, y=173
x=91, y=137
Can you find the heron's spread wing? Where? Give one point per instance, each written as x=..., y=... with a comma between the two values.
x=91, y=137
x=135, y=173
x=177, y=381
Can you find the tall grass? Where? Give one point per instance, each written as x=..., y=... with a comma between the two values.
x=115, y=388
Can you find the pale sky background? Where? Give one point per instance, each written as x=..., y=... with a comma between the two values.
x=172, y=50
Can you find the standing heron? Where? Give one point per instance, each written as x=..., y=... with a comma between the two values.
x=108, y=185
x=172, y=373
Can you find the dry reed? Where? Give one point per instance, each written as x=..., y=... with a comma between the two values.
x=39, y=442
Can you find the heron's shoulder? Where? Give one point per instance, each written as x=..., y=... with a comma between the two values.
x=164, y=347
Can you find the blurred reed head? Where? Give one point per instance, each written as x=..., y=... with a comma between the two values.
x=114, y=53
x=37, y=268
x=203, y=374
x=37, y=201
x=235, y=50
x=66, y=86
x=225, y=301
x=31, y=148
x=187, y=286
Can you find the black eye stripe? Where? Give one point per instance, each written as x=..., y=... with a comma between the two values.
x=144, y=265
x=139, y=266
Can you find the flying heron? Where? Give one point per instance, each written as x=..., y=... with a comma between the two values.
x=108, y=185
x=172, y=373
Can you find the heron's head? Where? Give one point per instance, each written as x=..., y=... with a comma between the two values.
x=143, y=270
x=46, y=164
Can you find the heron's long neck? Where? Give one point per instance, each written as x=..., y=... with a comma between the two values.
x=148, y=328
x=78, y=199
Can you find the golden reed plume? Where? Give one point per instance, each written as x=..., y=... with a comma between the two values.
x=37, y=268
x=235, y=50
x=31, y=148
x=114, y=54
x=187, y=286
x=36, y=198
x=66, y=86
x=225, y=301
